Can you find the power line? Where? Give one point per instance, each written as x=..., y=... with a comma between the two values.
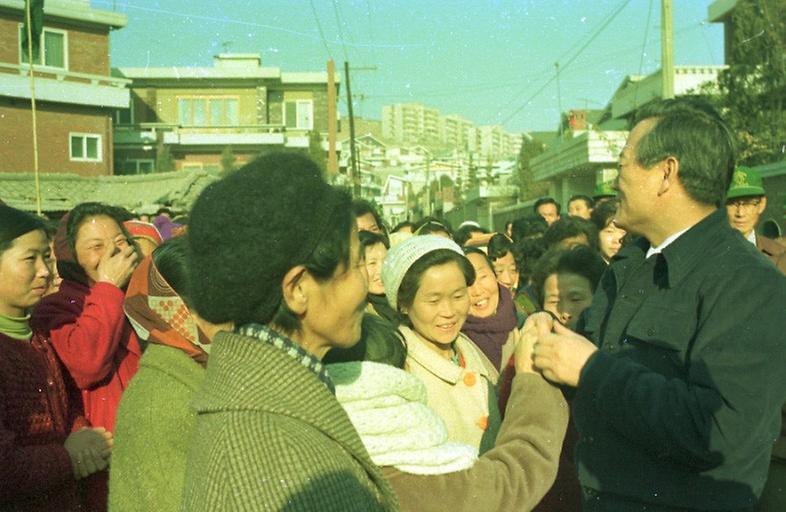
x=319, y=27
x=571, y=60
x=340, y=31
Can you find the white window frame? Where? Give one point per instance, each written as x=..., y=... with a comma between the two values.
x=205, y=99
x=41, y=48
x=85, y=136
x=138, y=161
x=298, y=103
x=130, y=114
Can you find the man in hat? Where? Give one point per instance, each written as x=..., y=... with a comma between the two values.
x=679, y=366
x=745, y=202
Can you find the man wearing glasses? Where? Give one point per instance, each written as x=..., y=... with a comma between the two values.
x=745, y=202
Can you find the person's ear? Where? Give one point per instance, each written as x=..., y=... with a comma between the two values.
x=294, y=289
x=670, y=168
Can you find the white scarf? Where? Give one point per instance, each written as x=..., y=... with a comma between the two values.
x=388, y=408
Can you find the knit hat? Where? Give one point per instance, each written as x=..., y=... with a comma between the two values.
x=248, y=229
x=745, y=182
x=401, y=257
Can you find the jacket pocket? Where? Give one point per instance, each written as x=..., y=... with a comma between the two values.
x=662, y=338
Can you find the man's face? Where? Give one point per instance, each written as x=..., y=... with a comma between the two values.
x=549, y=213
x=579, y=208
x=744, y=212
x=637, y=186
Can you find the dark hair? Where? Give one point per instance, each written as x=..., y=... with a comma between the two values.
x=528, y=227
x=568, y=227
x=527, y=252
x=15, y=223
x=411, y=281
x=604, y=213
x=171, y=260
x=164, y=210
x=475, y=250
x=72, y=270
x=579, y=260
x=331, y=252
x=545, y=200
x=463, y=234
x=499, y=245
x=581, y=197
x=431, y=225
x=361, y=207
x=379, y=342
x=367, y=239
x=691, y=131
x=403, y=224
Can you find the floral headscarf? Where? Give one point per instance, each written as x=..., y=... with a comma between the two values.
x=159, y=315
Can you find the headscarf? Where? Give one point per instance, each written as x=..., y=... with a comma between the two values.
x=159, y=315
x=67, y=266
x=139, y=229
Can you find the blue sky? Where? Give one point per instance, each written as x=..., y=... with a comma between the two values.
x=491, y=61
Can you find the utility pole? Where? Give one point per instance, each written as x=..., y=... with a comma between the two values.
x=667, y=51
x=332, y=162
x=352, y=155
x=559, y=99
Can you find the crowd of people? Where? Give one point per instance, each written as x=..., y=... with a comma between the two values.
x=281, y=347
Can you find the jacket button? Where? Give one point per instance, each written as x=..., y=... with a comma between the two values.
x=651, y=331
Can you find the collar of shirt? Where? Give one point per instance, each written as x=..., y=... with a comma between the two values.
x=752, y=237
x=295, y=351
x=665, y=243
x=685, y=249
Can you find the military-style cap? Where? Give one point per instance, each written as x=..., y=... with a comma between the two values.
x=604, y=189
x=745, y=182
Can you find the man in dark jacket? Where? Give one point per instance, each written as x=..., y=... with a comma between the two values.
x=680, y=377
x=745, y=202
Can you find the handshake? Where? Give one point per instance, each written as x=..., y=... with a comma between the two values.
x=547, y=347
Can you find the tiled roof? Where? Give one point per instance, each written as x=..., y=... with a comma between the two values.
x=141, y=193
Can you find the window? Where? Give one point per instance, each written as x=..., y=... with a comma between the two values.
x=52, y=49
x=208, y=111
x=85, y=147
x=137, y=166
x=125, y=115
x=299, y=114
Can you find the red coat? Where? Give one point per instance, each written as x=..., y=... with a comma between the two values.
x=35, y=419
x=95, y=342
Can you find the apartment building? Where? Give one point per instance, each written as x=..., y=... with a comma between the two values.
x=411, y=123
x=75, y=93
x=198, y=115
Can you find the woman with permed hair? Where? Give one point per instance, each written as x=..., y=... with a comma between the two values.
x=274, y=250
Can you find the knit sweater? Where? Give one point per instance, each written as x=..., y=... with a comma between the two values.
x=153, y=431
x=35, y=419
x=388, y=408
x=514, y=475
x=271, y=436
x=95, y=342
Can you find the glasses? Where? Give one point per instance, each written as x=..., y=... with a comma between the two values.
x=744, y=204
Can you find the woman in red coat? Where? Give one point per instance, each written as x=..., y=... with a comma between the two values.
x=85, y=319
x=42, y=447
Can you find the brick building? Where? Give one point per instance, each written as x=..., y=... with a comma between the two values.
x=196, y=113
x=75, y=94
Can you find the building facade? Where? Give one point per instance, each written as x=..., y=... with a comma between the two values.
x=75, y=93
x=190, y=118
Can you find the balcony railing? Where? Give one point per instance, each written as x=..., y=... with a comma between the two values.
x=64, y=74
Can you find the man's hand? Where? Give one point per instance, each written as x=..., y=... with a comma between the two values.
x=528, y=336
x=560, y=355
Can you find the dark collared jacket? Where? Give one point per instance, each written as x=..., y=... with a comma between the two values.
x=681, y=404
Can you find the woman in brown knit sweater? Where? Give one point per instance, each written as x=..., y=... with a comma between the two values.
x=42, y=447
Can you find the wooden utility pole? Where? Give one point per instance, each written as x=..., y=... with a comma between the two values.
x=36, y=178
x=352, y=154
x=332, y=162
x=559, y=98
x=667, y=51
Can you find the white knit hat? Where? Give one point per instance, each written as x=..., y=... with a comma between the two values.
x=401, y=257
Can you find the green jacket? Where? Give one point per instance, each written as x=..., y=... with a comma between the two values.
x=152, y=432
x=271, y=436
